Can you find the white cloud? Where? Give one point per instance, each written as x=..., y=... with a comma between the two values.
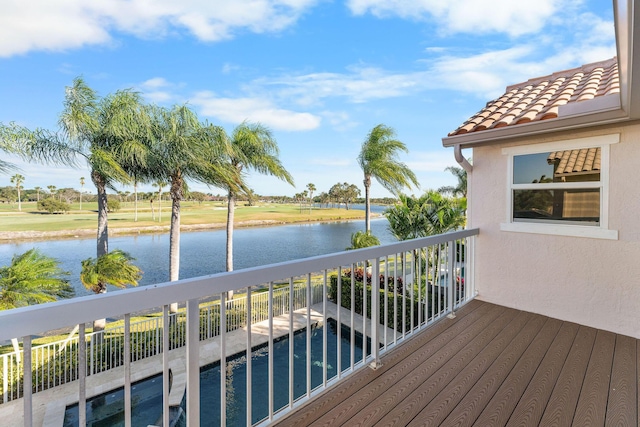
x=359, y=84
x=69, y=24
x=155, y=83
x=228, y=68
x=514, y=18
x=157, y=89
x=236, y=110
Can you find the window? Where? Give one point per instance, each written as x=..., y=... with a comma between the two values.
x=560, y=188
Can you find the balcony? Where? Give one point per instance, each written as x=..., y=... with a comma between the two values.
x=429, y=355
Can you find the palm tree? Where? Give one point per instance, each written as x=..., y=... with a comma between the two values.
x=160, y=185
x=461, y=187
x=18, y=179
x=37, y=193
x=428, y=215
x=113, y=268
x=379, y=159
x=252, y=148
x=300, y=198
x=102, y=131
x=32, y=278
x=311, y=188
x=81, y=190
x=183, y=148
x=362, y=239
x=52, y=190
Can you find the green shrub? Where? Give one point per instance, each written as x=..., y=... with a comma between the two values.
x=393, y=315
x=113, y=205
x=52, y=205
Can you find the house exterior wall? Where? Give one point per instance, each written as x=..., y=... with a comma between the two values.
x=593, y=282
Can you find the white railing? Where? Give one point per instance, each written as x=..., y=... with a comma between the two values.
x=416, y=282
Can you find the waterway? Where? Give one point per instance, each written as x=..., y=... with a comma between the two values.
x=203, y=252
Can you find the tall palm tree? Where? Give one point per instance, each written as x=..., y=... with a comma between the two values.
x=310, y=188
x=160, y=184
x=52, y=190
x=37, y=193
x=32, y=278
x=379, y=159
x=102, y=130
x=460, y=189
x=81, y=190
x=183, y=148
x=114, y=268
x=18, y=179
x=253, y=148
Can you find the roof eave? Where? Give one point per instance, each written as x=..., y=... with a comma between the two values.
x=492, y=136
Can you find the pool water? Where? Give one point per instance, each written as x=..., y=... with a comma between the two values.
x=146, y=395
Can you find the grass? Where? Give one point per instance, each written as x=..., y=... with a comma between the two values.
x=213, y=214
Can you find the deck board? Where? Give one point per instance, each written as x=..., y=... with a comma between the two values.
x=592, y=403
x=622, y=408
x=490, y=366
x=468, y=410
x=430, y=383
x=531, y=406
x=440, y=407
x=561, y=408
x=366, y=412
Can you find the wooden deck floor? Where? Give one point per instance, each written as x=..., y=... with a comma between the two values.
x=491, y=366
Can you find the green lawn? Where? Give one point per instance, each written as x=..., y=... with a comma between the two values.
x=192, y=213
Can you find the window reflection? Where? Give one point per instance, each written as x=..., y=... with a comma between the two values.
x=581, y=165
x=579, y=205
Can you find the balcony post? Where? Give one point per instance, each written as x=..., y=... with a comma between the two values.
x=451, y=278
x=27, y=381
x=193, y=363
x=375, y=314
x=82, y=375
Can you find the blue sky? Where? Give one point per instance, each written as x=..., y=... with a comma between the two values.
x=319, y=73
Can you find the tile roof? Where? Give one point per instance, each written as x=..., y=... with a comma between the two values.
x=575, y=162
x=539, y=98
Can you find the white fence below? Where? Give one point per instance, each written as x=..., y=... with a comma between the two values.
x=55, y=363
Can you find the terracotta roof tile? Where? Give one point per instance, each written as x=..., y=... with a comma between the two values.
x=575, y=162
x=538, y=99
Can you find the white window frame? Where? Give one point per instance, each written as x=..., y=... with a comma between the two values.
x=600, y=231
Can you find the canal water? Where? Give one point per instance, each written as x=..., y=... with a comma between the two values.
x=203, y=252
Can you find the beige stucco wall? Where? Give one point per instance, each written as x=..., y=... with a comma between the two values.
x=589, y=281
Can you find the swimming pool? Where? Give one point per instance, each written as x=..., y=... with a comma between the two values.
x=146, y=395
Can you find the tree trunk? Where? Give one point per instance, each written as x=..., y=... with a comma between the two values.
x=103, y=229
x=135, y=198
x=367, y=204
x=174, y=233
x=19, y=202
x=231, y=204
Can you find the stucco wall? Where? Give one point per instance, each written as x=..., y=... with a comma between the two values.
x=593, y=282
